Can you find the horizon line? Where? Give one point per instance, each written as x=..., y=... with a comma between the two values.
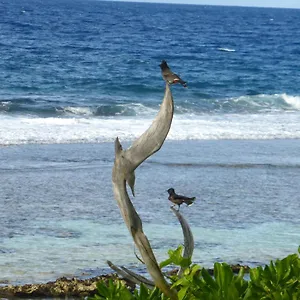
x=199, y=4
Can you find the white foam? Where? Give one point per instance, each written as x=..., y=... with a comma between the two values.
x=268, y=103
x=260, y=102
x=293, y=101
x=226, y=49
x=26, y=130
x=142, y=110
x=137, y=109
x=85, y=111
x=5, y=102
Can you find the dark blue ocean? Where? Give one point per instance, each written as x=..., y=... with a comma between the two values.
x=74, y=75
x=70, y=69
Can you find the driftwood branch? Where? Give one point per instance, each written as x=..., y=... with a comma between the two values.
x=140, y=278
x=188, y=237
x=126, y=161
x=131, y=276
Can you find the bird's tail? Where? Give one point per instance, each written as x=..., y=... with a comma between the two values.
x=190, y=201
x=179, y=80
x=183, y=83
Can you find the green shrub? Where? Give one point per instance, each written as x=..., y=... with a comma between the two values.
x=117, y=290
x=280, y=280
x=112, y=290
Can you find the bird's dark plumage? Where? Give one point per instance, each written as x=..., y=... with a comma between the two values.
x=179, y=199
x=169, y=76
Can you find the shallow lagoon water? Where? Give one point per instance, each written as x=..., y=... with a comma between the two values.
x=59, y=217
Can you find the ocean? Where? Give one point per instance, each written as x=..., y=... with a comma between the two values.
x=74, y=75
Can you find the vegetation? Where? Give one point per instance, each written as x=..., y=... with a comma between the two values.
x=280, y=280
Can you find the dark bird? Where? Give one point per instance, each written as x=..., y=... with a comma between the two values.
x=179, y=199
x=169, y=76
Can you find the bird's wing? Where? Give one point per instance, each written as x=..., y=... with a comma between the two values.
x=184, y=197
x=152, y=139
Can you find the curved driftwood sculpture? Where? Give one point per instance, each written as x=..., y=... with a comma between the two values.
x=126, y=161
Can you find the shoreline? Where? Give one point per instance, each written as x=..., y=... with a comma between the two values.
x=72, y=287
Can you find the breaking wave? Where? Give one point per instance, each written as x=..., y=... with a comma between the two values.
x=247, y=104
x=28, y=121
x=27, y=130
x=292, y=101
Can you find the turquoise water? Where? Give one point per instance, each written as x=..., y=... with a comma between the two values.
x=59, y=216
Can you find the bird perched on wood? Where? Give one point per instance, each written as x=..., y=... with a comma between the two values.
x=179, y=199
x=169, y=76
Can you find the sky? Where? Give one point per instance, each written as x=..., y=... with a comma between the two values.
x=259, y=3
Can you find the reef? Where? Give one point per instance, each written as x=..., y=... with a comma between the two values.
x=71, y=288
x=60, y=288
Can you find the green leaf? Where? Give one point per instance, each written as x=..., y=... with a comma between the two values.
x=155, y=294
x=165, y=263
x=124, y=294
x=182, y=281
x=240, y=283
x=182, y=292
x=185, y=262
x=143, y=292
x=176, y=255
x=223, y=274
x=194, y=270
x=102, y=289
x=111, y=289
x=255, y=275
x=209, y=280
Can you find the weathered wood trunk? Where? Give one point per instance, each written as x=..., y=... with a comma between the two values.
x=126, y=161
